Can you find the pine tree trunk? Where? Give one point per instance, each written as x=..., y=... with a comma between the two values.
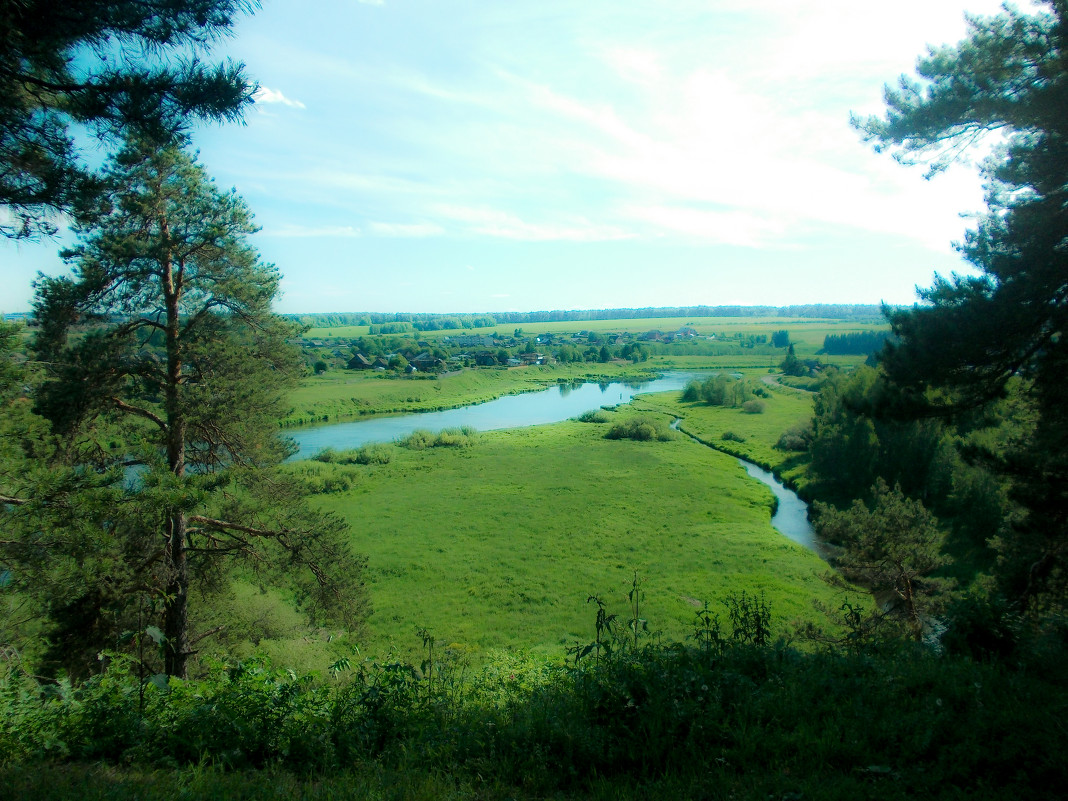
x=176, y=605
x=176, y=608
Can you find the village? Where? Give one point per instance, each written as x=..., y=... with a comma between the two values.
x=408, y=354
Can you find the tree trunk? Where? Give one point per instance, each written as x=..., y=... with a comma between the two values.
x=176, y=607
x=176, y=604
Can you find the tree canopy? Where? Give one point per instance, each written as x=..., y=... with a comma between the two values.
x=1005, y=85
x=163, y=356
x=110, y=66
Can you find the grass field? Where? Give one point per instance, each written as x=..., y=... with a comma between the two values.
x=784, y=409
x=809, y=331
x=498, y=545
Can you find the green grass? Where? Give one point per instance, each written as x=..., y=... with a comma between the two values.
x=783, y=409
x=498, y=545
x=344, y=394
x=802, y=329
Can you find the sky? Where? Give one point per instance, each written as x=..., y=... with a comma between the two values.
x=447, y=156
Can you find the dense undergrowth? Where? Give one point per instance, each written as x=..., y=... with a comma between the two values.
x=718, y=716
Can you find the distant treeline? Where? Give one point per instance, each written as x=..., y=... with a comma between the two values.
x=405, y=321
x=858, y=343
x=436, y=322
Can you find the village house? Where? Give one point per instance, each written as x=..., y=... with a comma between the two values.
x=359, y=362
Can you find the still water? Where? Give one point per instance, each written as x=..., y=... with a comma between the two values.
x=553, y=405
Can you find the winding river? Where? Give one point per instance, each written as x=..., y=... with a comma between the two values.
x=552, y=405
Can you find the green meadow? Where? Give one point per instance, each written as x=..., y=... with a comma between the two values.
x=344, y=394
x=806, y=330
x=730, y=429
x=498, y=544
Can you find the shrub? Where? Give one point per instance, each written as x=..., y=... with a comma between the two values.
x=373, y=454
x=328, y=477
x=641, y=429
x=808, y=383
x=326, y=455
x=594, y=416
x=368, y=454
x=753, y=407
x=795, y=438
x=446, y=438
x=730, y=436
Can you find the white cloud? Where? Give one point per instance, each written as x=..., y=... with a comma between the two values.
x=265, y=95
x=639, y=65
x=304, y=231
x=711, y=226
x=505, y=225
x=408, y=230
x=725, y=125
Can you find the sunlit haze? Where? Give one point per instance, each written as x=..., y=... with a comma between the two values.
x=460, y=156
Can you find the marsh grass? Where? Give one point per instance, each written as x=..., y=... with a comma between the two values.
x=751, y=436
x=641, y=429
x=496, y=545
x=461, y=437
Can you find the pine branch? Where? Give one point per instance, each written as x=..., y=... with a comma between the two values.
x=145, y=413
x=225, y=525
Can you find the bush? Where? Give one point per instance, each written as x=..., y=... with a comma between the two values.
x=373, y=454
x=641, y=429
x=368, y=454
x=753, y=407
x=327, y=477
x=446, y=438
x=808, y=383
x=795, y=438
x=730, y=436
x=594, y=416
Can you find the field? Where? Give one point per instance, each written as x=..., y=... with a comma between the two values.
x=806, y=331
x=499, y=544
x=750, y=436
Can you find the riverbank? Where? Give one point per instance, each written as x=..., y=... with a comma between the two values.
x=340, y=395
x=753, y=437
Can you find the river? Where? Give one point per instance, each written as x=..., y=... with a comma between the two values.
x=552, y=405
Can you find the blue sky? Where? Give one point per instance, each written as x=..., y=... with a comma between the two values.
x=459, y=156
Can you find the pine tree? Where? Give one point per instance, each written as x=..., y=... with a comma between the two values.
x=973, y=338
x=893, y=549
x=165, y=359
x=108, y=67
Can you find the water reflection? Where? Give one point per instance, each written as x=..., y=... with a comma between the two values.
x=564, y=401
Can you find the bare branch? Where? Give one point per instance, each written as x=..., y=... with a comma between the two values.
x=225, y=525
x=145, y=413
x=208, y=633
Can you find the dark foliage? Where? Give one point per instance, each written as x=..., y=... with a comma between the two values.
x=123, y=67
x=974, y=336
x=858, y=343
